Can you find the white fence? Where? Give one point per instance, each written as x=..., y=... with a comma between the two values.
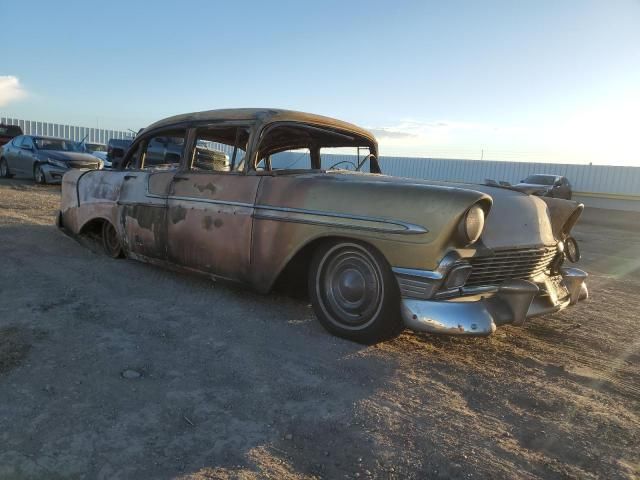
x=599, y=186
x=595, y=185
x=72, y=132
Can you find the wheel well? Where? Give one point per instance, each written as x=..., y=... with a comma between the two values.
x=292, y=280
x=93, y=228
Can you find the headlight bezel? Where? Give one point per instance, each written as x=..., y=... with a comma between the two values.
x=472, y=225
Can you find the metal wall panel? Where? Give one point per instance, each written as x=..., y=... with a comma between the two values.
x=590, y=179
x=604, y=179
x=71, y=132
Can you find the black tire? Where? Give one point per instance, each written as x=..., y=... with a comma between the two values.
x=354, y=293
x=111, y=241
x=38, y=175
x=4, y=169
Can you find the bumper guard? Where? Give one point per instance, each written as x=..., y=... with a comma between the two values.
x=478, y=315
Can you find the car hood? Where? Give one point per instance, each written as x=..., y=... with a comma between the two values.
x=516, y=219
x=68, y=156
x=101, y=155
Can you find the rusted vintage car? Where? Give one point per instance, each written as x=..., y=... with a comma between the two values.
x=273, y=197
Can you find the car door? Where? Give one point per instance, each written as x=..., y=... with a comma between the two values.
x=10, y=153
x=23, y=160
x=143, y=201
x=211, y=204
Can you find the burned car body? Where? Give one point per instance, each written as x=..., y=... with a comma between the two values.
x=377, y=253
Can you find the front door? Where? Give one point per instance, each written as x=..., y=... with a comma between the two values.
x=209, y=222
x=210, y=205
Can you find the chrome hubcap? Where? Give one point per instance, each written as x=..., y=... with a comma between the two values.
x=349, y=286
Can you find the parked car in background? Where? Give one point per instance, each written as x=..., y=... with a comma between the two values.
x=377, y=253
x=9, y=132
x=116, y=149
x=45, y=159
x=98, y=150
x=545, y=185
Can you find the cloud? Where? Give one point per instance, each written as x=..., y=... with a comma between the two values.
x=461, y=139
x=10, y=90
x=384, y=133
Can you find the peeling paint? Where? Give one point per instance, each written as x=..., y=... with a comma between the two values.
x=178, y=214
x=208, y=187
x=207, y=222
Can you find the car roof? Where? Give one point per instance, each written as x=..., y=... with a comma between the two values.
x=545, y=175
x=263, y=115
x=46, y=137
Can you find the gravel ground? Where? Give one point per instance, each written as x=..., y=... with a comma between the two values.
x=117, y=369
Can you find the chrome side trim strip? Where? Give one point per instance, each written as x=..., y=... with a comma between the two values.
x=312, y=217
x=335, y=219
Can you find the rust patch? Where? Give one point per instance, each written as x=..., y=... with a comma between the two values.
x=152, y=220
x=178, y=214
x=209, y=186
x=207, y=222
x=147, y=218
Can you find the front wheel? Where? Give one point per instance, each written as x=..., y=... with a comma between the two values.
x=111, y=241
x=354, y=293
x=38, y=175
x=4, y=169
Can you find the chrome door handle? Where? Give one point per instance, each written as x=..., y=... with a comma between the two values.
x=129, y=177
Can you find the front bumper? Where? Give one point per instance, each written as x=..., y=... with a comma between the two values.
x=478, y=315
x=52, y=173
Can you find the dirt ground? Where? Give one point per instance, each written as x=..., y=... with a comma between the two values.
x=117, y=369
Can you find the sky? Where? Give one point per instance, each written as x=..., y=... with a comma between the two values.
x=500, y=80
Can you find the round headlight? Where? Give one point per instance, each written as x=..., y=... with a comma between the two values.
x=472, y=224
x=572, y=251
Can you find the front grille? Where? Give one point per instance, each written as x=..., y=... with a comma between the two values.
x=509, y=264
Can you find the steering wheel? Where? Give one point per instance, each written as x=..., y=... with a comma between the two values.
x=364, y=160
x=341, y=162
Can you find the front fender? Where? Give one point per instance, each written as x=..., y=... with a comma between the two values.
x=88, y=195
x=412, y=224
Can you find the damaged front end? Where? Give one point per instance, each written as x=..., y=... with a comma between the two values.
x=479, y=310
x=499, y=284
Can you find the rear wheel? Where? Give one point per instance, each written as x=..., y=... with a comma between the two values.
x=4, y=169
x=38, y=175
x=354, y=293
x=111, y=241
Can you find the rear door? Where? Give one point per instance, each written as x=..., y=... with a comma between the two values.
x=143, y=199
x=10, y=153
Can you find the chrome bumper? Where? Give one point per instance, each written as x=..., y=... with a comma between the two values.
x=512, y=302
